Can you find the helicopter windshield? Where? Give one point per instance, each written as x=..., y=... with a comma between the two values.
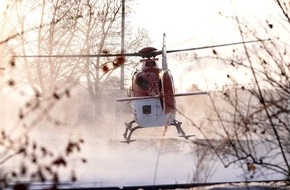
x=142, y=83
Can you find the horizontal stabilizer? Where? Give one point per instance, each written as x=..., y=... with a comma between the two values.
x=128, y=99
x=191, y=93
x=136, y=98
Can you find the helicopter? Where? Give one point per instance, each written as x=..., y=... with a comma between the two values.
x=152, y=93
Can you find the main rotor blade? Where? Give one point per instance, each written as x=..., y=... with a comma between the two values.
x=141, y=54
x=214, y=46
x=88, y=56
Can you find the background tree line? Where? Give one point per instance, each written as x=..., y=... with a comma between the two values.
x=250, y=122
x=55, y=27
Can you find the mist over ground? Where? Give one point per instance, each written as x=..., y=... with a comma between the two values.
x=103, y=160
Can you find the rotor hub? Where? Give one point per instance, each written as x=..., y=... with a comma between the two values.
x=148, y=52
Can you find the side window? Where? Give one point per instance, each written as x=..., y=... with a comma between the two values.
x=146, y=109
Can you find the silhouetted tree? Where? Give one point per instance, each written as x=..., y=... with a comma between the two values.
x=252, y=120
x=247, y=122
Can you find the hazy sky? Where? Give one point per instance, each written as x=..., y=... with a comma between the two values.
x=191, y=23
x=191, y=20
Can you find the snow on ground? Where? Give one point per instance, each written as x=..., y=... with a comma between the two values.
x=147, y=161
x=154, y=161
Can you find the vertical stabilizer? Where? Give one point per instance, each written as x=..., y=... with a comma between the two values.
x=164, y=58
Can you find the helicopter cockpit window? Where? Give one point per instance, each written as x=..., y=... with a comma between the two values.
x=150, y=64
x=142, y=83
x=146, y=109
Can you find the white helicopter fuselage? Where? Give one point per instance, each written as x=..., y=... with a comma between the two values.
x=149, y=113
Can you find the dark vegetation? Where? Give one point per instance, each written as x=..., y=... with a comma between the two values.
x=38, y=89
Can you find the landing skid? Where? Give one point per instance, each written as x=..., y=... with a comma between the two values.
x=130, y=129
x=127, y=141
x=186, y=136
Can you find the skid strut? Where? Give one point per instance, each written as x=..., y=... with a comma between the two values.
x=129, y=131
x=180, y=131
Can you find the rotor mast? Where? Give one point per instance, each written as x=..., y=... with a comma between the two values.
x=164, y=58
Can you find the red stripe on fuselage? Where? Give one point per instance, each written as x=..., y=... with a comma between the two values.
x=168, y=92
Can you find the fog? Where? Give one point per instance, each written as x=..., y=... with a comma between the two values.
x=151, y=160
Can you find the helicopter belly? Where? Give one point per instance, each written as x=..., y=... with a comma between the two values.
x=149, y=113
